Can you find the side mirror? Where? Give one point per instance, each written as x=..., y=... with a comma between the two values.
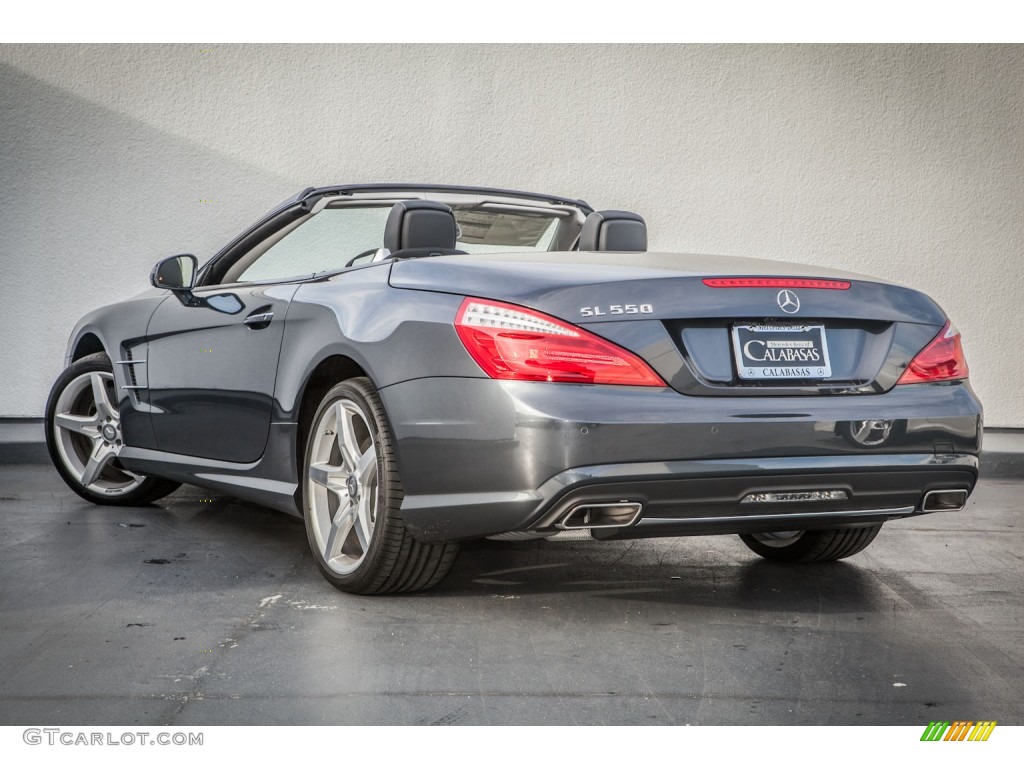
x=176, y=273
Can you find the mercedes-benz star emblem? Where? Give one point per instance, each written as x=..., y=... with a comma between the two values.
x=788, y=302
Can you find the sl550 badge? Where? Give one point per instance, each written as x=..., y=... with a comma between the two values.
x=617, y=309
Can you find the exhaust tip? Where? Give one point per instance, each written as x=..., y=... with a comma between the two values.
x=613, y=514
x=944, y=501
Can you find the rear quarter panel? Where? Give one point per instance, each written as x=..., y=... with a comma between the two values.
x=394, y=335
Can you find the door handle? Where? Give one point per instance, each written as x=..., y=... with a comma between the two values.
x=259, y=320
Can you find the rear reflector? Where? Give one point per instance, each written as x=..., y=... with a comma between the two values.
x=787, y=496
x=775, y=282
x=942, y=360
x=512, y=342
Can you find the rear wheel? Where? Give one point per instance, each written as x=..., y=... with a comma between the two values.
x=83, y=436
x=352, y=495
x=811, y=546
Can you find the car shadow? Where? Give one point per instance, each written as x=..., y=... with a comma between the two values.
x=710, y=571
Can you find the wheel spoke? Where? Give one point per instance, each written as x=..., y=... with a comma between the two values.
x=104, y=408
x=364, y=523
x=81, y=425
x=340, y=528
x=863, y=430
x=347, y=441
x=366, y=466
x=98, y=459
x=321, y=474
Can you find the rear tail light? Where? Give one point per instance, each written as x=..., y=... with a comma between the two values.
x=942, y=360
x=512, y=342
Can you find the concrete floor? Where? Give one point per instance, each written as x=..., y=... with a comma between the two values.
x=206, y=611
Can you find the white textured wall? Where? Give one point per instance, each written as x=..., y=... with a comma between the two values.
x=899, y=161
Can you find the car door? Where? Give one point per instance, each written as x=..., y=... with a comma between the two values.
x=212, y=352
x=212, y=366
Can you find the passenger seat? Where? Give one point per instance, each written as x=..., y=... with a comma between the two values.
x=613, y=231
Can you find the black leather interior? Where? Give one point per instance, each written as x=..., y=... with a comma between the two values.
x=613, y=231
x=420, y=228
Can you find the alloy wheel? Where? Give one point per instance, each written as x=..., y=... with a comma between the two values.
x=342, y=485
x=87, y=432
x=778, y=539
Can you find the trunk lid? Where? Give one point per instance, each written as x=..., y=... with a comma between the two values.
x=660, y=307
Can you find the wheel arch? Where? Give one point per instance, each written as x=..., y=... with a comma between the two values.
x=86, y=344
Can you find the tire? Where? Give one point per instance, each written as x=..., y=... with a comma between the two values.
x=351, y=499
x=811, y=546
x=83, y=437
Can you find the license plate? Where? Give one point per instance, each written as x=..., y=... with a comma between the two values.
x=781, y=351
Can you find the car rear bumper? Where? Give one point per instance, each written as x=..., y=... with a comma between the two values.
x=481, y=457
x=688, y=498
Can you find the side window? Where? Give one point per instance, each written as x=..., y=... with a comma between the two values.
x=324, y=242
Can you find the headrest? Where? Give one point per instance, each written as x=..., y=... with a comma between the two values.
x=613, y=231
x=419, y=224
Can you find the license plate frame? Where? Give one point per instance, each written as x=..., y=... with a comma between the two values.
x=793, y=345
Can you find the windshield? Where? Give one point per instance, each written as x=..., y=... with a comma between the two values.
x=337, y=236
x=321, y=243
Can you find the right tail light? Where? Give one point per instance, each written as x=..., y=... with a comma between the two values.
x=942, y=360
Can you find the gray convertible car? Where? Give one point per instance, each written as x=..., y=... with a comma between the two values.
x=407, y=367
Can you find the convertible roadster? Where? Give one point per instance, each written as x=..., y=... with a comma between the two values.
x=407, y=367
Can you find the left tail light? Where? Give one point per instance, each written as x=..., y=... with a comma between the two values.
x=512, y=342
x=942, y=360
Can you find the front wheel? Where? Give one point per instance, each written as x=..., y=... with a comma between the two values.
x=352, y=495
x=83, y=437
x=811, y=546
